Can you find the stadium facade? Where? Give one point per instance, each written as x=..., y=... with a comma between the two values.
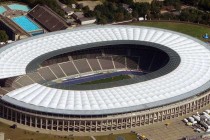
x=173, y=78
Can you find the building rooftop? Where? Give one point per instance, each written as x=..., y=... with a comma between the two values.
x=16, y=29
x=50, y=20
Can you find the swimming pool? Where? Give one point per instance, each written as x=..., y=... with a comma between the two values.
x=19, y=7
x=2, y=9
x=26, y=24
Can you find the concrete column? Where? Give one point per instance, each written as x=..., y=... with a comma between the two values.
x=96, y=126
x=15, y=116
x=3, y=111
x=57, y=124
x=20, y=118
x=30, y=121
x=101, y=125
x=10, y=116
x=25, y=119
x=35, y=122
x=7, y=113
x=41, y=123
x=140, y=120
x=68, y=126
x=63, y=125
x=52, y=124
x=46, y=123
x=74, y=127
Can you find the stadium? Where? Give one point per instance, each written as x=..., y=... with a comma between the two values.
x=54, y=81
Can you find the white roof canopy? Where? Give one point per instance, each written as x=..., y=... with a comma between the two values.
x=192, y=73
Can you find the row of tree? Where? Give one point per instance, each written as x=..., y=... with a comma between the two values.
x=113, y=10
x=202, y=4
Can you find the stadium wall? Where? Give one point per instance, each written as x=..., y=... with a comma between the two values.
x=104, y=123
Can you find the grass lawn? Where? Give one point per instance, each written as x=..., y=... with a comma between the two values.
x=196, y=31
x=106, y=80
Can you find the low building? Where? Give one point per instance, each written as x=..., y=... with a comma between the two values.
x=85, y=21
x=13, y=31
x=79, y=16
x=61, y=4
x=68, y=11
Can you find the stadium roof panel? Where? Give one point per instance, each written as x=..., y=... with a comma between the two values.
x=188, y=79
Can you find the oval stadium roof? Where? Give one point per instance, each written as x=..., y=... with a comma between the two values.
x=188, y=79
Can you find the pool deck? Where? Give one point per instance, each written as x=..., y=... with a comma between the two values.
x=37, y=29
x=14, y=26
x=6, y=7
x=10, y=13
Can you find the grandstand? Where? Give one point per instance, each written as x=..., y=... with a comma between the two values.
x=76, y=63
x=169, y=77
x=50, y=20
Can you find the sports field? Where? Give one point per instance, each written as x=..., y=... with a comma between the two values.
x=107, y=80
x=196, y=31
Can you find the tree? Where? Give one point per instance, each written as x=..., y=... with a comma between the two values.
x=141, y=8
x=102, y=20
x=129, y=2
x=204, y=4
x=68, y=2
x=191, y=2
x=89, y=14
x=177, y=6
x=192, y=15
x=119, y=16
x=111, y=12
x=135, y=14
x=3, y=36
x=155, y=7
x=85, y=9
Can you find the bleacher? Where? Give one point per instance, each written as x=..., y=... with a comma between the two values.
x=68, y=68
x=47, y=74
x=145, y=60
x=155, y=62
x=92, y=53
x=35, y=76
x=24, y=80
x=106, y=62
x=119, y=61
x=79, y=62
x=57, y=70
x=122, y=51
x=50, y=20
x=9, y=81
x=132, y=63
x=94, y=64
x=82, y=65
x=5, y=90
